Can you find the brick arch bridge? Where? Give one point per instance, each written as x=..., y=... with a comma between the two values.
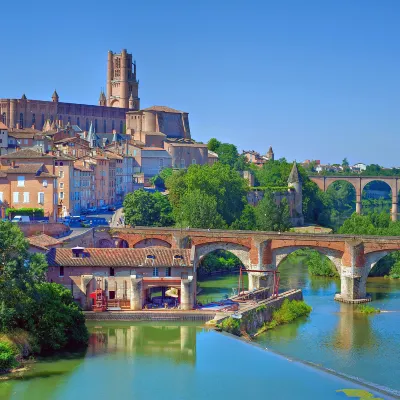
x=359, y=182
x=353, y=256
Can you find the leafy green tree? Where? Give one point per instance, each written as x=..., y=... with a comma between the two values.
x=270, y=216
x=46, y=311
x=358, y=225
x=219, y=181
x=143, y=208
x=345, y=163
x=247, y=220
x=213, y=144
x=199, y=210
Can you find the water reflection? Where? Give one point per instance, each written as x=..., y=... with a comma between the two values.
x=171, y=341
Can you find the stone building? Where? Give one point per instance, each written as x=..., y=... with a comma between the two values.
x=293, y=195
x=186, y=152
x=172, y=123
x=28, y=179
x=127, y=275
x=109, y=115
x=3, y=139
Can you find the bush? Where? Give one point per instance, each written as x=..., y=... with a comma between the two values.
x=367, y=309
x=231, y=325
x=54, y=319
x=319, y=265
x=38, y=212
x=7, y=356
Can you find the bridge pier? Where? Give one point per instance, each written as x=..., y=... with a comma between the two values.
x=136, y=293
x=352, y=285
x=187, y=300
x=394, y=209
x=358, y=206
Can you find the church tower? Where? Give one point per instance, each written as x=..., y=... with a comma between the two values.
x=295, y=182
x=122, y=85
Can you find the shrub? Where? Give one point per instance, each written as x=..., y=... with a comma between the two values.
x=7, y=356
x=38, y=212
x=319, y=265
x=367, y=309
x=231, y=325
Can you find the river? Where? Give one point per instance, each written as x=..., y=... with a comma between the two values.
x=187, y=361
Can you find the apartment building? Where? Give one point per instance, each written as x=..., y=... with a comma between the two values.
x=28, y=179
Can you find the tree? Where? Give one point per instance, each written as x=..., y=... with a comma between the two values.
x=345, y=163
x=247, y=220
x=213, y=144
x=358, y=225
x=270, y=216
x=143, y=208
x=219, y=181
x=199, y=210
x=46, y=311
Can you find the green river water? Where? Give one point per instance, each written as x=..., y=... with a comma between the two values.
x=169, y=360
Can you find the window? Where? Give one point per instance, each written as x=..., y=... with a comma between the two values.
x=26, y=197
x=33, y=118
x=121, y=127
x=15, y=197
x=161, y=163
x=182, y=163
x=42, y=120
x=155, y=271
x=21, y=181
x=78, y=121
x=194, y=161
x=1, y=196
x=56, y=163
x=69, y=120
x=60, y=118
x=111, y=294
x=62, y=195
x=61, y=164
x=87, y=125
x=61, y=271
x=112, y=271
x=168, y=271
x=4, y=118
x=41, y=198
x=21, y=120
x=105, y=126
x=95, y=125
x=25, y=141
x=112, y=125
x=61, y=185
x=45, y=183
x=61, y=174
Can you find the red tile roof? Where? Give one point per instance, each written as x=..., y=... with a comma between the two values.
x=2, y=126
x=163, y=109
x=25, y=169
x=42, y=241
x=26, y=153
x=109, y=257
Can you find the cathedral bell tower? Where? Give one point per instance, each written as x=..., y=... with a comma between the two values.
x=122, y=85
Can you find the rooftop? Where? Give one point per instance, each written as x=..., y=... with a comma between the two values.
x=25, y=169
x=42, y=241
x=110, y=257
x=26, y=153
x=164, y=109
x=2, y=126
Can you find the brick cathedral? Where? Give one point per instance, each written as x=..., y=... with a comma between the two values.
x=122, y=95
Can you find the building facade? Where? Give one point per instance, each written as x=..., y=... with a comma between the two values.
x=109, y=115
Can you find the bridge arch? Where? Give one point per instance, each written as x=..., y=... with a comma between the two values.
x=281, y=253
x=152, y=242
x=240, y=251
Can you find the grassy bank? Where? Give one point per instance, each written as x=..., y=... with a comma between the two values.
x=14, y=348
x=367, y=309
x=288, y=312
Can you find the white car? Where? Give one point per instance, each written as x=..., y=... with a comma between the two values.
x=21, y=218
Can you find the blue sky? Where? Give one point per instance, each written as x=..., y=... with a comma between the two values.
x=316, y=79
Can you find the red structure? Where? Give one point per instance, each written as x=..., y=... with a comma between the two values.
x=99, y=298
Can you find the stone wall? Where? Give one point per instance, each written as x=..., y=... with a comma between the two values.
x=253, y=319
x=52, y=229
x=148, y=316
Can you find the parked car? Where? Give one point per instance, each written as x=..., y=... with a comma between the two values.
x=112, y=208
x=21, y=218
x=92, y=209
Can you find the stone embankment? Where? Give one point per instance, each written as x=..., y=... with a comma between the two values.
x=149, y=316
x=255, y=314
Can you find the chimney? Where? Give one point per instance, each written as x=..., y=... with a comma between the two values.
x=77, y=252
x=17, y=126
